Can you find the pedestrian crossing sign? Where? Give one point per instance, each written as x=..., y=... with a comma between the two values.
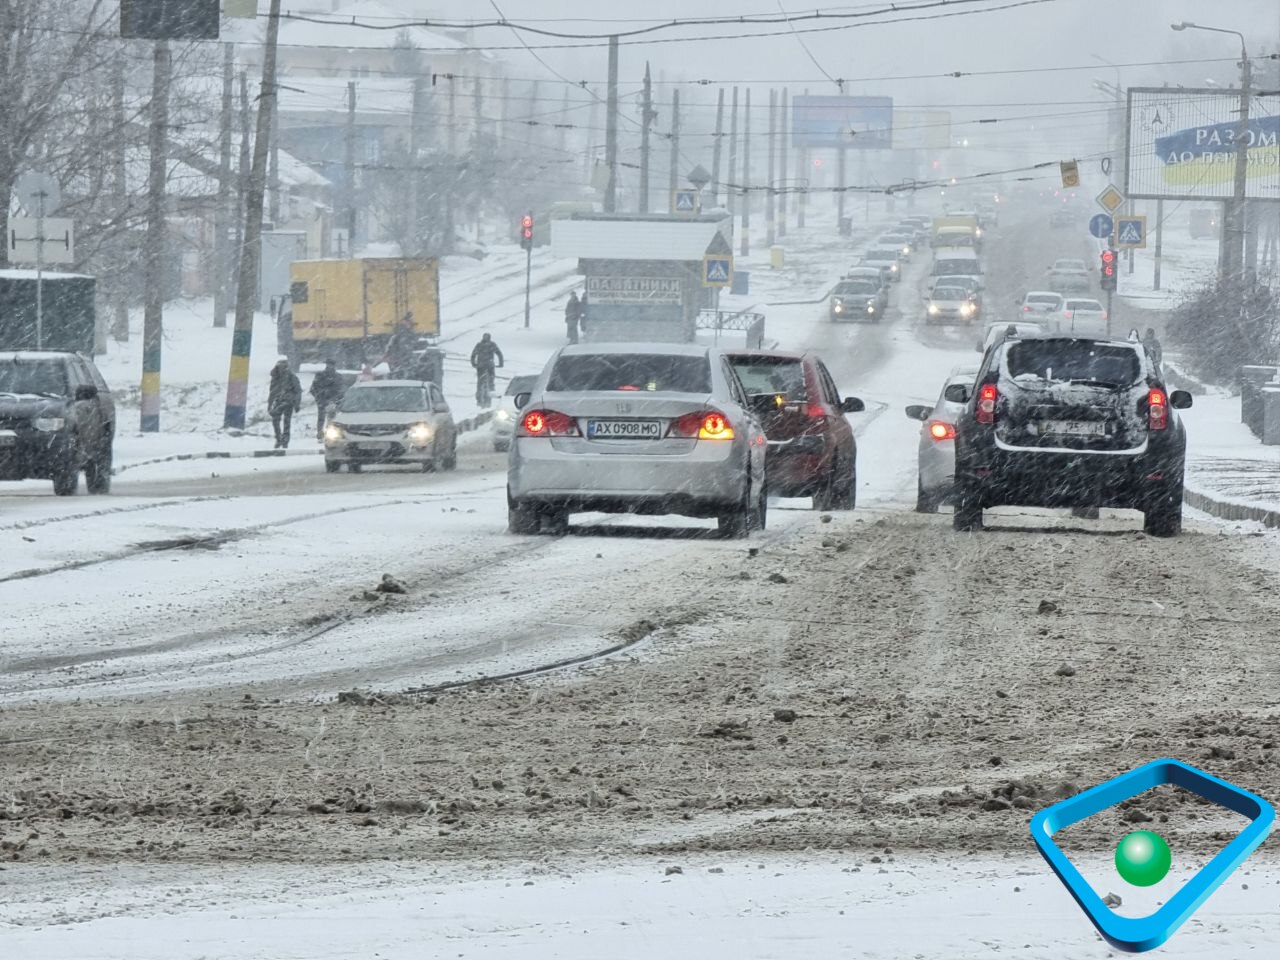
x=717, y=271
x=1131, y=232
x=685, y=201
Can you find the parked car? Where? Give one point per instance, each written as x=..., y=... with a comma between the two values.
x=637, y=428
x=57, y=418
x=1083, y=316
x=862, y=298
x=936, y=454
x=1070, y=275
x=1042, y=306
x=391, y=422
x=950, y=305
x=811, y=447
x=505, y=417
x=1070, y=422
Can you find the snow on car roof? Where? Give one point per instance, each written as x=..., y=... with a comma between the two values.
x=1043, y=293
x=671, y=349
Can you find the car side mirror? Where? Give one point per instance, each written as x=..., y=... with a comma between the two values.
x=522, y=399
x=86, y=391
x=919, y=412
x=957, y=393
x=1180, y=400
x=440, y=408
x=852, y=405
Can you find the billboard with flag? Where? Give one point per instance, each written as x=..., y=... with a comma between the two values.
x=856, y=123
x=1182, y=144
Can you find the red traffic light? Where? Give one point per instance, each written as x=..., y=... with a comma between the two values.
x=1108, y=257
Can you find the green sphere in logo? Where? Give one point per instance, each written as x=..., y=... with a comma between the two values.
x=1143, y=858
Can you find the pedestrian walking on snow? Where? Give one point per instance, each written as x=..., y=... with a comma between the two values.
x=327, y=389
x=284, y=399
x=572, y=316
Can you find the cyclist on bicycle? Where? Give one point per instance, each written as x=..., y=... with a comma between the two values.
x=483, y=359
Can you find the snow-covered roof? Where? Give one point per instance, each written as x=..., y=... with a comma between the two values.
x=684, y=240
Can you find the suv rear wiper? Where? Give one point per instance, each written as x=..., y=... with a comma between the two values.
x=1096, y=383
x=31, y=393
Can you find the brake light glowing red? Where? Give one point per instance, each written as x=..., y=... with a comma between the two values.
x=548, y=423
x=986, y=409
x=940, y=430
x=708, y=425
x=1157, y=410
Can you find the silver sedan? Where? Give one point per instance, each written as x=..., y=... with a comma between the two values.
x=937, y=452
x=637, y=428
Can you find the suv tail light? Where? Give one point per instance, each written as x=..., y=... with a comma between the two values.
x=986, y=409
x=548, y=423
x=1157, y=410
x=708, y=425
x=941, y=430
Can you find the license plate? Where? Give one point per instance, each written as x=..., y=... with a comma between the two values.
x=624, y=429
x=1074, y=428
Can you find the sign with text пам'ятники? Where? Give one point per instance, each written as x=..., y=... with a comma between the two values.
x=634, y=290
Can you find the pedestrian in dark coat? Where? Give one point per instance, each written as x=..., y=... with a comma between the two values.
x=572, y=316
x=327, y=388
x=284, y=399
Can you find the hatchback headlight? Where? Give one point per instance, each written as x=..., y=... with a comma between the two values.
x=333, y=433
x=933, y=308
x=502, y=415
x=49, y=424
x=420, y=434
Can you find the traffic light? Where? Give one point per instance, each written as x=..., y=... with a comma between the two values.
x=526, y=231
x=1108, y=269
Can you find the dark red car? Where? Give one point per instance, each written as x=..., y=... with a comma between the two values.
x=812, y=451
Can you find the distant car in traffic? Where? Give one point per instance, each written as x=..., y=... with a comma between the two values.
x=57, y=418
x=811, y=447
x=904, y=241
x=658, y=428
x=950, y=304
x=880, y=273
x=1069, y=275
x=958, y=261
x=1070, y=422
x=886, y=257
x=1042, y=306
x=505, y=417
x=936, y=454
x=1083, y=316
x=969, y=283
x=391, y=422
x=861, y=299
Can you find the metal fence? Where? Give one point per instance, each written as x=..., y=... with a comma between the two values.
x=751, y=324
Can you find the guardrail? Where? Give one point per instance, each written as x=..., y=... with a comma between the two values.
x=752, y=324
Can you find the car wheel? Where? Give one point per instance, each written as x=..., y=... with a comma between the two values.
x=736, y=524
x=428, y=466
x=97, y=472
x=968, y=512
x=555, y=522
x=450, y=460
x=1163, y=515
x=925, y=503
x=354, y=467
x=332, y=466
x=759, y=518
x=522, y=518
x=65, y=481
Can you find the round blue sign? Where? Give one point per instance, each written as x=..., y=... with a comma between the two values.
x=1100, y=226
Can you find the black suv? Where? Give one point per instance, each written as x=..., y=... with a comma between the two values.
x=1066, y=422
x=56, y=419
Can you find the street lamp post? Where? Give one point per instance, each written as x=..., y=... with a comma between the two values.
x=1234, y=225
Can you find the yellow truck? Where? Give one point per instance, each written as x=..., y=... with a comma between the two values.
x=957, y=230
x=348, y=309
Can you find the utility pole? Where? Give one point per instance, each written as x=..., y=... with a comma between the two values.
x=803, y=172
x=251, y=251
x=782, y=158
x=562, y=138
x=1159, y=251
x=119, y=186
x=611, y=130
x=840, y=185
x=771, y=199
x=451, y=167
x=746, y=173
x=593, y=124
x=478, y=149
x=350, y=163
x=716, y=150
x=673, y=174
x=221, y=255
x=242, y=179
x=1239, y=226
x=731, y=193
x=416, y=124
x=155, y=246
x=273, y=178
x=646, y=127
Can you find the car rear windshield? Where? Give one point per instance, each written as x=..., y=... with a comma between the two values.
x=649, y=372
x=520, y=385
x=47, y=377
x=1045, y=298
x=385, y=400
x=857, y=287
x=772, y=375
x=1086, y=305
x=1065, y=361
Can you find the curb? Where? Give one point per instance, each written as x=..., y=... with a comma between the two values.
x=469, y=425
x=1229, y=510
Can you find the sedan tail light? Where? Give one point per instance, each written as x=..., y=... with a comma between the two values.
x=1157, y=410
x=986, y=409
x=941, y=430
x=548, y=423
x=707, y=425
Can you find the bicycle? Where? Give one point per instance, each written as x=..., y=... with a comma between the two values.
x=484, y=386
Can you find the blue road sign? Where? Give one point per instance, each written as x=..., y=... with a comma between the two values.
x=1131, y=231
x=686, y=201
x=717, y=271
x=1100, y=226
